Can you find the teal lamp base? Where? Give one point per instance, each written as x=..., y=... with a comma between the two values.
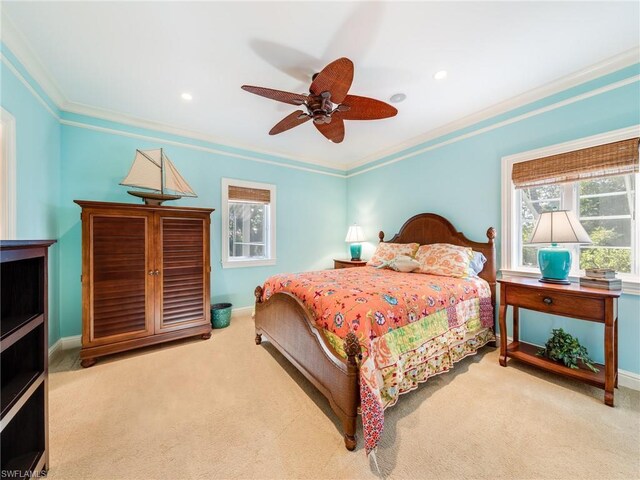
x=356, y=251
x=555, y=264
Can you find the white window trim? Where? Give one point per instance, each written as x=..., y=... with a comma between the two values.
x=226, y=263
x=509, y=241
x=8, y=176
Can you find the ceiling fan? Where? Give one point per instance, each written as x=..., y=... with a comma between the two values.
x=327, y=103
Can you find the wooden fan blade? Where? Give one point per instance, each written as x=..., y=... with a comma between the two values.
x=296, y=118
x=278, y=95
x=334, y=131
x=365, y=108
x=335, y=78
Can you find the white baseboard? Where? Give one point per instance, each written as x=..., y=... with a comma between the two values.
x=628, y=379
x=55, y=348
x=625, y=378
x=74, y=341
x=65, y=343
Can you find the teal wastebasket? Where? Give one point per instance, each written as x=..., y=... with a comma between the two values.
x=220, y=315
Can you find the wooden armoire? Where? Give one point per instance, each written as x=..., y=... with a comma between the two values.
x=145, y=276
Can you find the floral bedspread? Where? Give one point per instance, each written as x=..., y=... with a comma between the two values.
x=410, y=326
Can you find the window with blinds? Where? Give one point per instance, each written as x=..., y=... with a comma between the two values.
x=599, y=184
x=249, y=223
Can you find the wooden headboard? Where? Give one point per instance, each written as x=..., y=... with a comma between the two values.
x=427, y=228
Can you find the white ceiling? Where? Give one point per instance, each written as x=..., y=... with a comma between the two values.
x=136, y=58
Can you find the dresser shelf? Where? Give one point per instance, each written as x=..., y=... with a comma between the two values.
x=20, y=328
x=18, y=390
x=12, y=324
x=23, y=359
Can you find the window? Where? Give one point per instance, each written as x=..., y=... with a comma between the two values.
x=607, y=207
x=248, y=223
x=7, y=175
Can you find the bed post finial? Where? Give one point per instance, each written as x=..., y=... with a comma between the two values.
x=351, y=348
x=491, y=234
x=258, y=293
x=381, y=235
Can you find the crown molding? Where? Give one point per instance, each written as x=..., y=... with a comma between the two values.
x=19, y=46
x=193, y=146
x=132, y=121
x=494, y=126
x=28, y=86
x=609, y=65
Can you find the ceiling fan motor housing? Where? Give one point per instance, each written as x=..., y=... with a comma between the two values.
x=320, y=107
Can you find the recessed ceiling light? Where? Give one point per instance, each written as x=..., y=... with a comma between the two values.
x=397, y=97
x=187, y=96
x=441, y=75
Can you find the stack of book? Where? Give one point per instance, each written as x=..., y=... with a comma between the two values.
x=604, y=278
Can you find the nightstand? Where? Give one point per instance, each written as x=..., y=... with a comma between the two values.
x=573, y=301
x=338, y=263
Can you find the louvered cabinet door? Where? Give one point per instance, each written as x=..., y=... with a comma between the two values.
x=120, y=283
x=182, y=298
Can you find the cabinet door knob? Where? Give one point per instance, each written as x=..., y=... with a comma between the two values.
x=157, y=272
x=547, y=300
x=150, y=272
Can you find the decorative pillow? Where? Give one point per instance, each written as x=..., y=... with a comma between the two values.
x=388, y=251
x=402, y=263
x=477, y=262
x=444, y=259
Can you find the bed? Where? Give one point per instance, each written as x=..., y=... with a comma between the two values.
x=353, y=358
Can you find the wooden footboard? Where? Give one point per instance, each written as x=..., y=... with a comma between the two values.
x=289, y=326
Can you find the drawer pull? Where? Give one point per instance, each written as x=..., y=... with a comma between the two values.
x=547, y=300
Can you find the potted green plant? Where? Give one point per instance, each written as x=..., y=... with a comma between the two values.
x=564, y=348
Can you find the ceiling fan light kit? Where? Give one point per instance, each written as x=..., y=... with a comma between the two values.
x=328, y=103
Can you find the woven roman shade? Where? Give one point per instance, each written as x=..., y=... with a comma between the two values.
x=253, y=195
x=617, y=158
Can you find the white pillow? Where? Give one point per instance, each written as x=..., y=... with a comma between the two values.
x=402, y=263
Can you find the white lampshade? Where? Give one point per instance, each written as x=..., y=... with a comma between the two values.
x=355, y=234
x=561, y=226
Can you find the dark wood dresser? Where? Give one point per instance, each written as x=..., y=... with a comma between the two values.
x=145, y=276
x=24, y=358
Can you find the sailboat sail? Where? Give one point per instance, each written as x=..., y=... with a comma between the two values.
x=145, y=172
x=174, y=181
x=148, y=169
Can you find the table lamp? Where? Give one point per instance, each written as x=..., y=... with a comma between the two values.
x=561, y=226
x=355, y=235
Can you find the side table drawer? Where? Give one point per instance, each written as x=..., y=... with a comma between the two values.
x=558, y=303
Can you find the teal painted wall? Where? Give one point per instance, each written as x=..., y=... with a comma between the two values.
x=85, y=158
x=310, y=215
x=37, y=171
x=462, y=181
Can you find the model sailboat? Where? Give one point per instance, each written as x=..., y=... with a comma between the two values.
x=152, y=170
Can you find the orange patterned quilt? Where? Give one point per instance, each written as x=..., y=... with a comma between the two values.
x=411, y=326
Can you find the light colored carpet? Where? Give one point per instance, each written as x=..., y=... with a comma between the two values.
x=226, y=408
